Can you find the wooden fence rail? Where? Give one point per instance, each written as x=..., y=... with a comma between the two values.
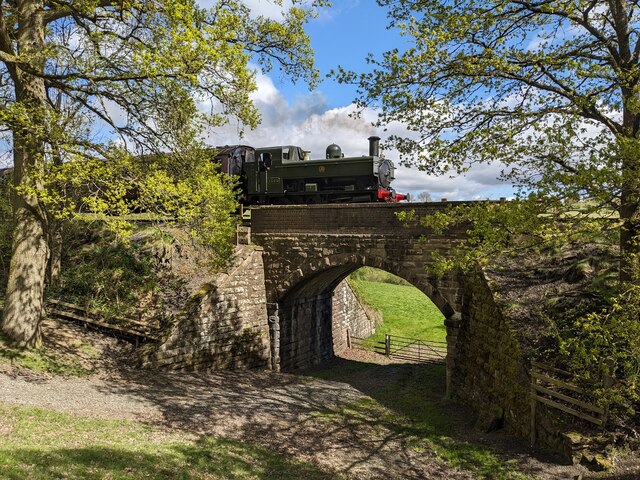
x=549, y=386
x=403, y=348
x=128, y=329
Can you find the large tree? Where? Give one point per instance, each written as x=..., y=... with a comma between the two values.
x=549, y=88
x=76, y=73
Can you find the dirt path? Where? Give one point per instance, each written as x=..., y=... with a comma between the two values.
x=285, y=413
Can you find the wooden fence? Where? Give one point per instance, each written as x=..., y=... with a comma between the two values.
x=128, y=329
x=403, y=348
x=550, y=386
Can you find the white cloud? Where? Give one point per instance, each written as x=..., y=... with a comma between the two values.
x=271, y=8
x=308, y=122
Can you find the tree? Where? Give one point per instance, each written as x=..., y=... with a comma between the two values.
x=71, y=70
x=550, y=88
x=424, y=196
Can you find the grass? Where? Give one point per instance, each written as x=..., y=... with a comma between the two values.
x=46, y=445
x=45, y=359
x=408, y=401
x=408, y=404
x=406, y=311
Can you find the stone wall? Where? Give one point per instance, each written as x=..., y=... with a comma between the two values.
x=305, y=332
x=487, y=369
x=349, y=314
x=224, y=325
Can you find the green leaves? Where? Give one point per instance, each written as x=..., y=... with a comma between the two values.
x=607, y=344
x=547, y=89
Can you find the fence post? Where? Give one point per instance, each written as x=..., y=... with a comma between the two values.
x=387, y=345
x=607, y=382
x=348, y=339
x=533, y=408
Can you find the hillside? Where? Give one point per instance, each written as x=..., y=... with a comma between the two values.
x=406, y=311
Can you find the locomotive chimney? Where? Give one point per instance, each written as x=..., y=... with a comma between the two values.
x=374, y=146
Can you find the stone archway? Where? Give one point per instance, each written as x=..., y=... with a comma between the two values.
x=301, y=317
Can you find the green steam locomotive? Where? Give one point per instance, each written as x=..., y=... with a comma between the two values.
x=286, y=175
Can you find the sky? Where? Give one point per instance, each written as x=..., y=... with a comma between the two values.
x=343, y=35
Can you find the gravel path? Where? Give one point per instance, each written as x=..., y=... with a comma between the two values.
x=285, y=413
x=273, y=410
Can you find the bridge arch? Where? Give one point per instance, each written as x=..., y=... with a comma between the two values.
x=322, y=275
x=309, y=249
x=304, y=309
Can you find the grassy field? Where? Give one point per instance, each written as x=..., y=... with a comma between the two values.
x=45, y=445
x=407, y=311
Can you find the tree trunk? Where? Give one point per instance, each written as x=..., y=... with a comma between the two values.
x=629, y=241
x=55, y=249
x=24, y=300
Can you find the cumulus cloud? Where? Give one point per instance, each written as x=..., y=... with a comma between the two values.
x=308, y=122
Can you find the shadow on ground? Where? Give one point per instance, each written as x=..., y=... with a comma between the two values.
x=366, y=420
x=206, y=458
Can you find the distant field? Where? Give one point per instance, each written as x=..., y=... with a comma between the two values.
x=407, y=311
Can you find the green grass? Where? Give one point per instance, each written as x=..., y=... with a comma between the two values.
x=44, y=359
x=407, y=401
x=44, y=445
x=406, y=311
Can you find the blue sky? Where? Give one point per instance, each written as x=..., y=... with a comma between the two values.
x=343, y=35
x=292, y=115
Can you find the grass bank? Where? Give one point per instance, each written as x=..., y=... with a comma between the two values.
x=46, y=445
x=44, y=359
x=406, y=310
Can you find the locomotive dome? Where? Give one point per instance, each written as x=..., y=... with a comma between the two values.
x=334, y=151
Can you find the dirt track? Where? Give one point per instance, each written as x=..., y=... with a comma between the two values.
x=286, y=413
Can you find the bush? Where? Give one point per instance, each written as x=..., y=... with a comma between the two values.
x=607, y=344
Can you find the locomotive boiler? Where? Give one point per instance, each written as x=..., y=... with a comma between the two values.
x=286, y=175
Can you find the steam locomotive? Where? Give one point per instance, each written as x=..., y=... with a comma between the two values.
x=286, y=175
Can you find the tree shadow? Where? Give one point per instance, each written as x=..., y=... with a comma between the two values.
x=206, y=458
x=289, y=414
x=413, y=395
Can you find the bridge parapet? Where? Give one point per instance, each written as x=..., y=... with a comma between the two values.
x=359, y=218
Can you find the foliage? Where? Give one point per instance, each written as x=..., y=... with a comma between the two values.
x=406, y=311
x=607, y=344
x=183, y=188
x=47, y=445
x=549, y=90
x=102, y=60
x=512, y=228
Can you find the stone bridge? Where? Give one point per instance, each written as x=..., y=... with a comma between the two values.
x=276, y=307
x=309, y=250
